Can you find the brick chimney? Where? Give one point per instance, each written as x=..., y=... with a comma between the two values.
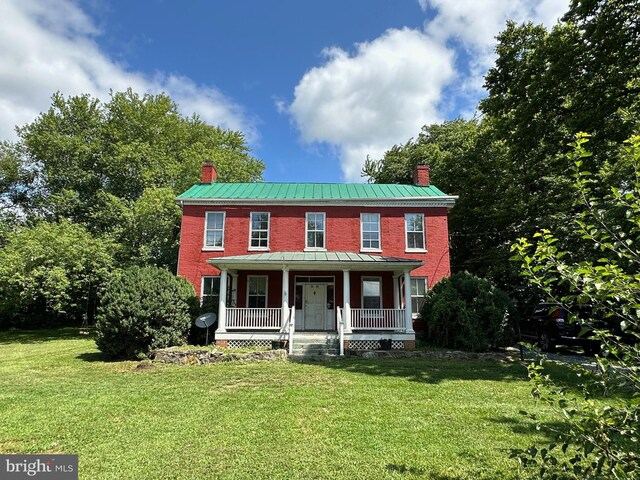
x=421, y=175
x=209, y=173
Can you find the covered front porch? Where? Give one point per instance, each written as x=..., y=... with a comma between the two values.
x=358, y=299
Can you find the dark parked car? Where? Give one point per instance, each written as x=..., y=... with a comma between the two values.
x=549, y=325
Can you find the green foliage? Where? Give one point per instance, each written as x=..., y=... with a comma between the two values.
x=115, y=167
x=468, y=313
x=144, y=308
x=52, y=273
x=595, y=441
x=99, y=180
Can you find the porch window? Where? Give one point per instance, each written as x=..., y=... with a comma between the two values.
x=210, y=292
x=315, y=231
x=414, y=229
x=257, y=292
x=259, y=233
x=214, y=230
x=418, y=289
x=371, y=293
x=370, y=231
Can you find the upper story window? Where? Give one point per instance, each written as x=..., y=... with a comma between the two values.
x=414, y=229
x=214, y=231
x=315, y=231
x=370, y=231
x=259, y=231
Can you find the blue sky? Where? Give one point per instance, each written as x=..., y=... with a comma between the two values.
x=315, y=86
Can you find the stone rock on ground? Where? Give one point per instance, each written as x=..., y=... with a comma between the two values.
x=204, y=356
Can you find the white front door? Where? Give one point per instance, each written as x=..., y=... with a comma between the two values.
x=315, y=306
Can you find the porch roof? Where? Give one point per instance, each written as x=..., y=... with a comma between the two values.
x=314, y=261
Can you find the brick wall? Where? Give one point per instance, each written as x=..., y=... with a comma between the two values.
x=288, y=234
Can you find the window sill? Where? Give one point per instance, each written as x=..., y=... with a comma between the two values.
x=415, y=250
x=212, y=249
x=315, y=249
x=258, y=249
x=370, y=250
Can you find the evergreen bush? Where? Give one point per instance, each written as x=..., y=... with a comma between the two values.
x=468, y=313
x=143, y=309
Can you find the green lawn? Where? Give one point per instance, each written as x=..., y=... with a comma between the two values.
x=351, y=419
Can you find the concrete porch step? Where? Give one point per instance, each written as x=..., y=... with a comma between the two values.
x=309, y=344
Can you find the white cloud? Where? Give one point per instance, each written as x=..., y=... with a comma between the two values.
x=382, y=94
x=475, y=25
x=363, y=103
x=50, y=46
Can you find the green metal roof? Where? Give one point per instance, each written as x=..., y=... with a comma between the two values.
x=261, y=260
x=308, y=191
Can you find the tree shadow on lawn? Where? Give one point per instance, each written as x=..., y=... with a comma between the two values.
x=96, y=357
x=523, y=425
x=44, y=335
x=430, y=370
x=434, y=371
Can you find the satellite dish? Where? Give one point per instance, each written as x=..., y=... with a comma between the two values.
x=205, y=321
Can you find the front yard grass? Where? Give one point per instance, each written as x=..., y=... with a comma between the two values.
x=351, y=419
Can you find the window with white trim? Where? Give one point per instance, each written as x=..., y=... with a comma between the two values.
x=210, y=296
x=418, y=290
x=257, y=292
x=259, y=231
x=315, y=230
x=370, y=231
x=371, y=293
x=414, y=230
x=214, y=230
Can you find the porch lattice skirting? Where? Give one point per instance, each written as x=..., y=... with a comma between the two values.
x=249, y=343
x=350, y=344
x=374, y=345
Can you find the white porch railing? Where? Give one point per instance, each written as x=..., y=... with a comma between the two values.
x=378, y=319
x=340, y=330
x=292, y=328
x=254, y=318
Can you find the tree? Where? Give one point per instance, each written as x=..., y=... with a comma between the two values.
x=598, y=439
x=52, y=273
x=546, y=85
x=115, y=167
x=467, y=160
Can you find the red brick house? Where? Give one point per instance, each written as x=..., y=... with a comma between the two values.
x=348, y=262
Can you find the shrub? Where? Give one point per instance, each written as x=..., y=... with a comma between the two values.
x=143, y=309
x=468, y=313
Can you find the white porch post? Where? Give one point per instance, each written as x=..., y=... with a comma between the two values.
x=396, y=291
x=346, y=294
x=222, y=307
x=408, y=317
x=285, y=298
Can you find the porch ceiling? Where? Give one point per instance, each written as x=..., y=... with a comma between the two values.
x=314, y=261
